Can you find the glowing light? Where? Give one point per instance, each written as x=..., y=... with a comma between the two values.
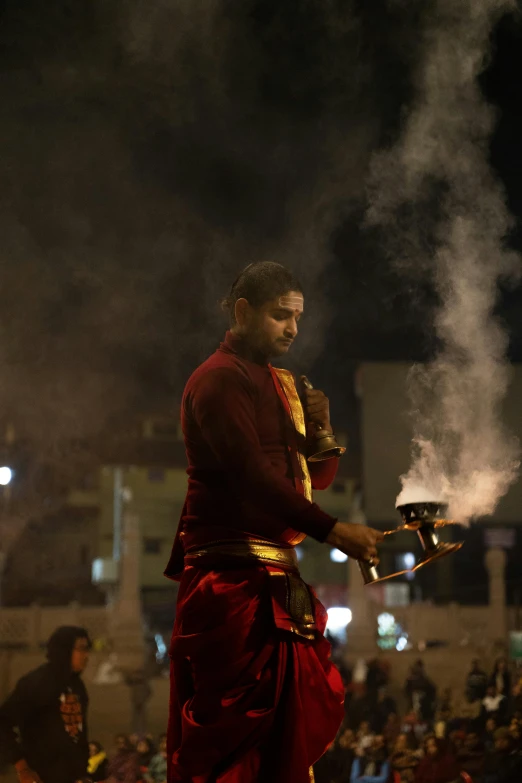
x=6, y=474
x=408, y=559
x=336, y=556
x=402, y=643
x=386, y=623
x=299, y=552
x=338, y=618
x=161, y=647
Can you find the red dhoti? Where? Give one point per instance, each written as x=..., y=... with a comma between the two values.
x=251, y=699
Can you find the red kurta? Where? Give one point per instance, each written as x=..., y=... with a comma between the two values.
x=249, y=701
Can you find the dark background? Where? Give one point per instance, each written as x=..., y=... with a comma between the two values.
x=147, y=158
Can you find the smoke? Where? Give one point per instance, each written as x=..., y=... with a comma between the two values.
x=440, y=204
x=149, y=153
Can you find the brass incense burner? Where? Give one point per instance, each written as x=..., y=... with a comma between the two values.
x=325, y=446
x=424, y=519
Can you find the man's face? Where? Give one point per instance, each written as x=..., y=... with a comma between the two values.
x=80, y=655
x=271, y=328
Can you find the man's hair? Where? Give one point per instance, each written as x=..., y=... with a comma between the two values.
x=259, y=283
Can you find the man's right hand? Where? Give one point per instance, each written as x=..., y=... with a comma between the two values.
x=27, y=775
x=357, y=541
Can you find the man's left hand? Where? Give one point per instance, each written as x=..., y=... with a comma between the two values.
x=317, y=409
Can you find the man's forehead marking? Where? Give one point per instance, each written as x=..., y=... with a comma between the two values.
x=292, y=303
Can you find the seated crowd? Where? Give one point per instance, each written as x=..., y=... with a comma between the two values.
x=134, y=759
x=476, y=738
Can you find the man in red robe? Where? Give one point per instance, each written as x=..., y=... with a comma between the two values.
x=254, y=696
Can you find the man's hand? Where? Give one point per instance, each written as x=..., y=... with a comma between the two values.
x=27, y=775
x=357, y=541
x=317, y=408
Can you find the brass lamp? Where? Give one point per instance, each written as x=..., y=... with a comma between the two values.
x=423, y=519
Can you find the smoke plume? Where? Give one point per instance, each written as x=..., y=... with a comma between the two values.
x=438, y=201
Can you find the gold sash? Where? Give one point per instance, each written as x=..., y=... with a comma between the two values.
x=286, y=379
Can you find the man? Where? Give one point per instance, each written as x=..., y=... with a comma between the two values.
x=48, y=709
x=504, y=764
x=476, y=682
x=254, y=696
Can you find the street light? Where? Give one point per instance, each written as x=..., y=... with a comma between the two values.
x=6, y=474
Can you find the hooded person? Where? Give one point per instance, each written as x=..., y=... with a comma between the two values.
x=43, y=723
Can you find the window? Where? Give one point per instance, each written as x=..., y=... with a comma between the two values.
x=152, y=546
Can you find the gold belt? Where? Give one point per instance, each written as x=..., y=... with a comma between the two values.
x=250, y=549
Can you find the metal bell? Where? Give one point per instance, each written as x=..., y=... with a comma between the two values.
x=325, y=446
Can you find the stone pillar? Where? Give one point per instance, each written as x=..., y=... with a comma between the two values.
x=496, y=565
x=362, y=631
x=126, y=614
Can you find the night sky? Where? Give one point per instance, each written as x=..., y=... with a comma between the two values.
x=151, y=151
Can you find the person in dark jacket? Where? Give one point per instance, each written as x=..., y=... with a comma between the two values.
x=476, y=682
x=48, y=709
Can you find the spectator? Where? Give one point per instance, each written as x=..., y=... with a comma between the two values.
x=494, y=704
x=124, y=767
x=158, y=764
x=373, y=766
x=98, y=765
x=404, y=759
x=476, y=682
x=382, y=709
x=364, y=737
x=413, y=725
x=391, y=730
x=421, y=692
x=456, y=740
x=489, y=734
x=501, y=677
x=504, y=763
x=43, y=723
x=146, y=753
x=438, y=764
x=470, y=756
x=376, y=680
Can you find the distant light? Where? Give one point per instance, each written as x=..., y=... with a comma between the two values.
x=299, y=552
x=161, y=647
x=338, y=618
x=336, y=556
x=408, y=559
x=402, y=643
x=386, y=623
x=6, y=474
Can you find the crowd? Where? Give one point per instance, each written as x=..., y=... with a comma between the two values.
x=439, y=738
x=134, y=759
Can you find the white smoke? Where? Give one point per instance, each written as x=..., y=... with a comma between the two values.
x=461, y=453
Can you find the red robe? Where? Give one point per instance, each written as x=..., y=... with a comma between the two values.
x=250, y=701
